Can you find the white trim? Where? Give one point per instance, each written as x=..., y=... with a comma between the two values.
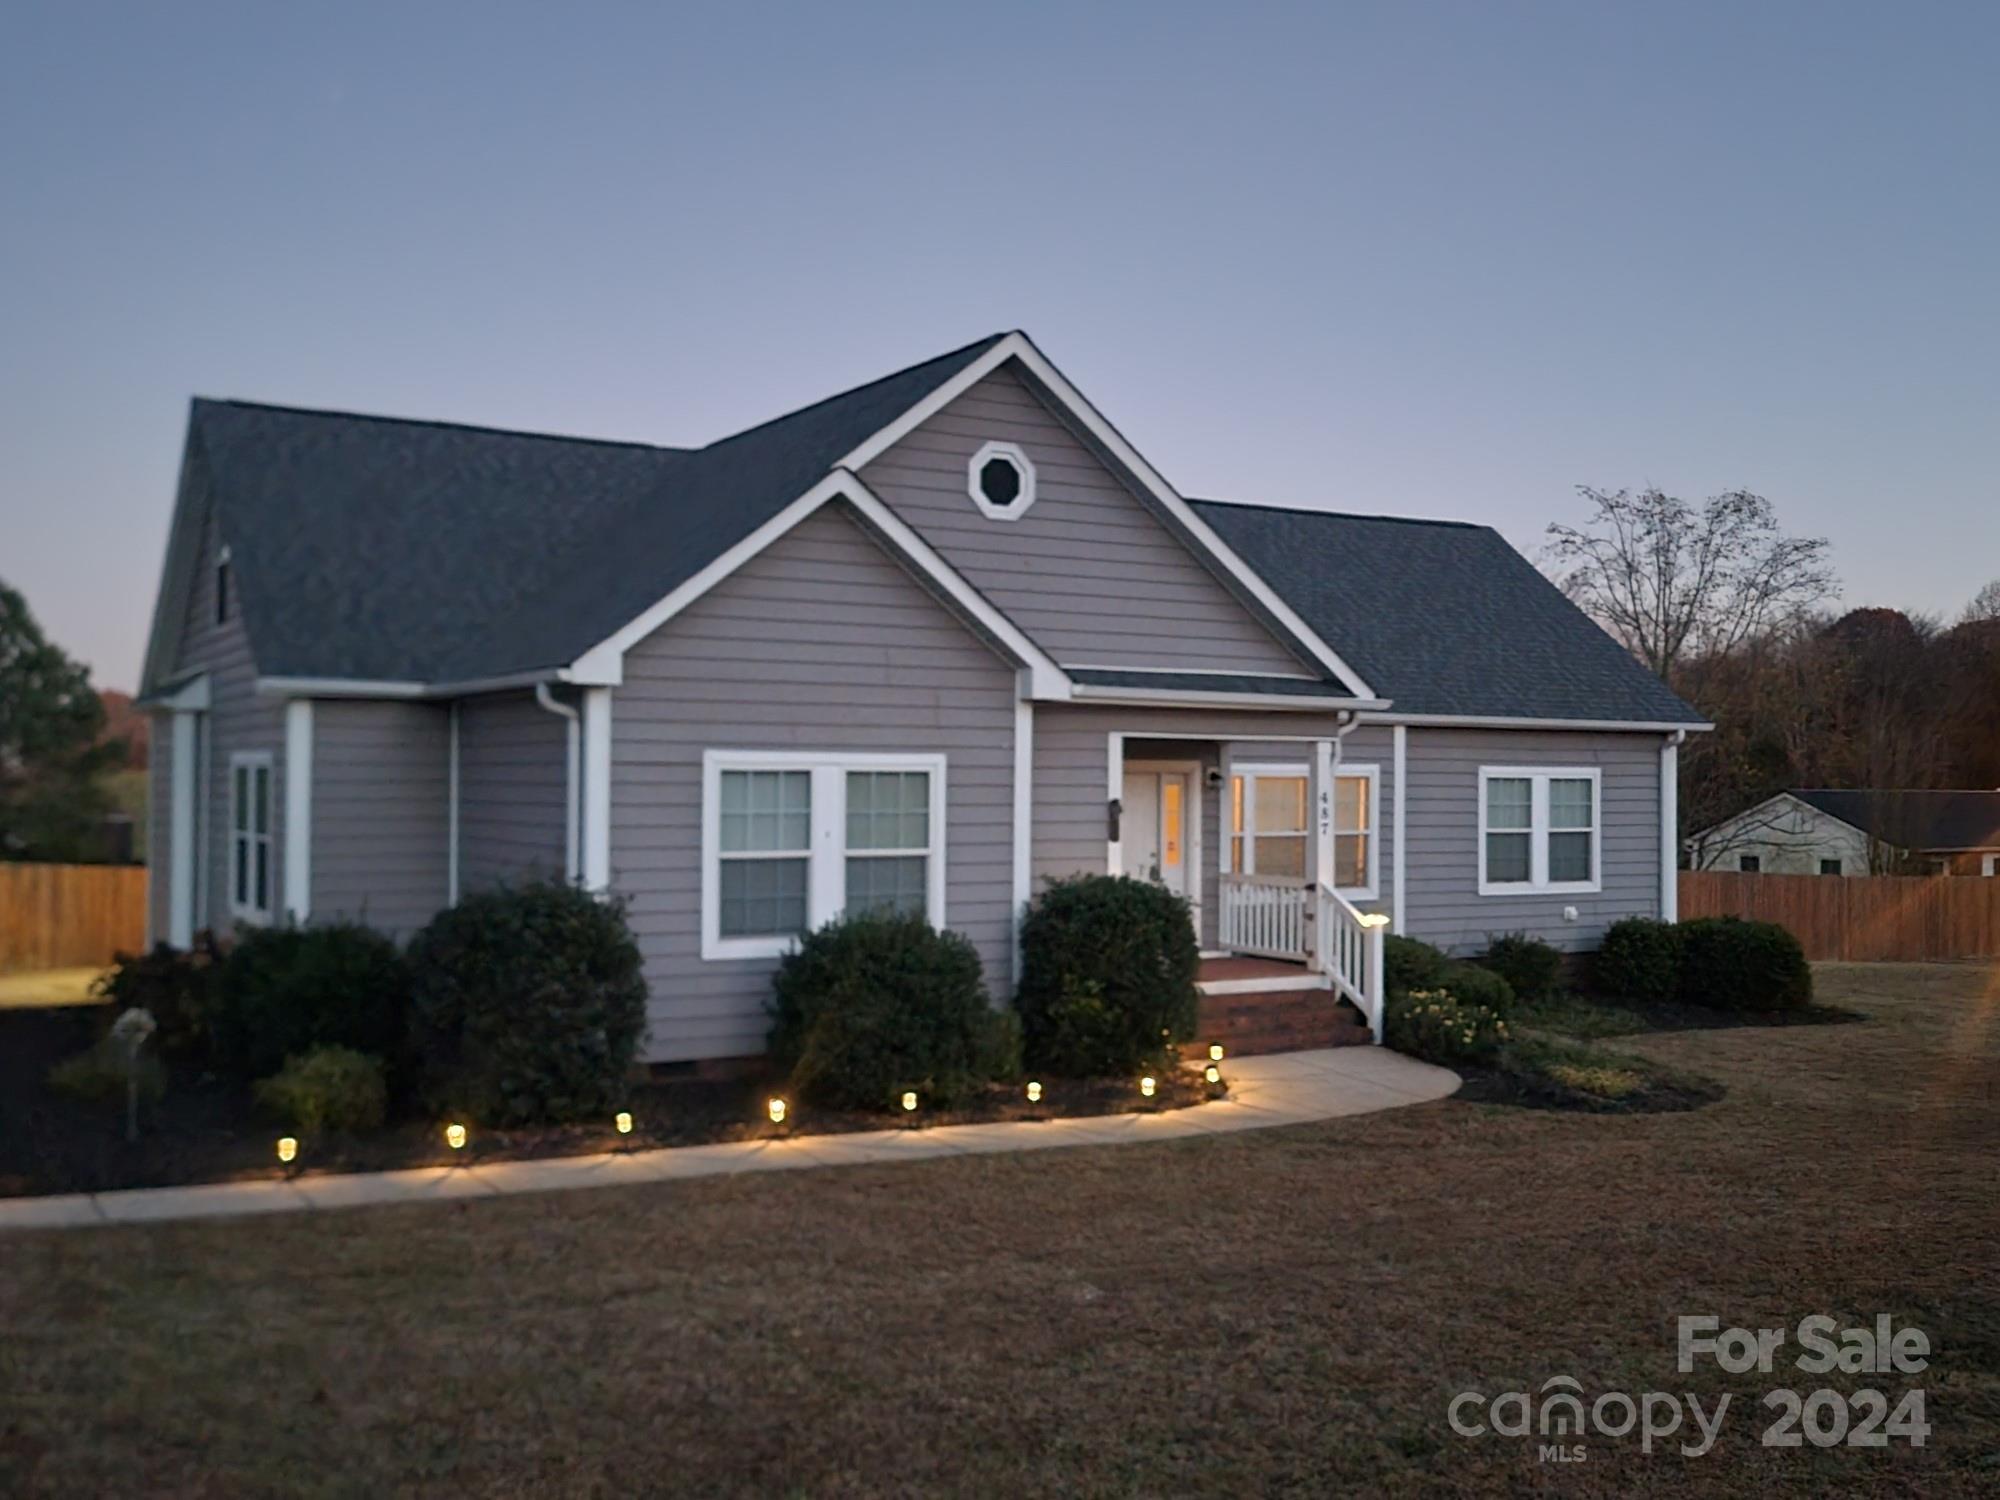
x=1538, y=882
x=1670, y=817
x=181, y=865
x=336, y=687
x=1147, y=697
x=298, y=808
x=451, y=818
x=1372, y=774
x=220, y=574
x=1399, y=864
x=1489, y=721
x=826, y=852
x=572, y=774
x=1114, y=791
x=1024, y=821
x=597, y=788
x=1325, y=755
x=253, y=761
x=1112, y=666
x=1225, y=813
x=1023, y=466
x=1019, y=346
x=192, y=696
x=603, y=661
x=1304, y=979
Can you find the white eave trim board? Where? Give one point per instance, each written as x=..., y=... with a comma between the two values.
x=1048, y=680
x=1491, y=721
x=1019, y=346
x=1144, y=697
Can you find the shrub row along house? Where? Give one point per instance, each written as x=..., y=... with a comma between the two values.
x=918, y=646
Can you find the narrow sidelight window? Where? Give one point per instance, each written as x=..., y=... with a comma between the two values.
x=251, y=871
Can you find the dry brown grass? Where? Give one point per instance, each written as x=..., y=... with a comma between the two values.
x=1283, y=1312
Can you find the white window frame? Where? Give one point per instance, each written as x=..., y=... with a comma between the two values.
x=1013, y=454
x=1373, y=776
x=1249, y=770
x=826, y=845
x=1538, y=882
x=251, y=762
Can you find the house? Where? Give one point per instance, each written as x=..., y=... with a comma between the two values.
x=924, y=644
x=1813, y=831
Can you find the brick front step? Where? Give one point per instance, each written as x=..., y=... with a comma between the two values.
x=1280, y=1021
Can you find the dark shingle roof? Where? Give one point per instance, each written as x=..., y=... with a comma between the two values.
x=375, y=548
x=1916, y=820
x=1211, y=682
x=1444, y=617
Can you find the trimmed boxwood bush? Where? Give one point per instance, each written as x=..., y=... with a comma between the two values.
x=878, y=1003
x=527, y=1005
x=1639, y=959
x=283, y=991
x=330, y=1088
x=1476, y=985
x=1108, y=969
x=1408, y=964
x=1531, y=967
x=1730, y=964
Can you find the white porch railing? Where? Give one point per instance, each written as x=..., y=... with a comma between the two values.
x=1279, y=916
x=1350, y=953
x=1269, y=916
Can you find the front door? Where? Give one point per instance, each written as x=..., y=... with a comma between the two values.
x=1153, y=830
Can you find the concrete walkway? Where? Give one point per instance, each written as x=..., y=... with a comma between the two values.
x=1292, y=1088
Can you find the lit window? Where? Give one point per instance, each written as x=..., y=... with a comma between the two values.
x=1539, y=830
x=250, y=869
x=1268, y=821
x=1354, y=830
x=1001, y=481
x=791, y=841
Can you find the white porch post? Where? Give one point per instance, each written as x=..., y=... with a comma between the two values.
x=597, y=788
x=1326, y=756
x=1024, y=814
x=298, y=808
x=1114, y=791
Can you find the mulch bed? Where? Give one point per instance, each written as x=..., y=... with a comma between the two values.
x=201, y=1131
x=1526, y=1089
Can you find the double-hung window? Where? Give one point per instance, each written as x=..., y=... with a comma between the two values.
x=250, y=869
x=792, y=840
x=1354, y=807
x=1270, y=824
x=1539, y=830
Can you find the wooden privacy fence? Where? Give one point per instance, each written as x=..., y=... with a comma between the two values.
x=1860, y=918
x=69, y=916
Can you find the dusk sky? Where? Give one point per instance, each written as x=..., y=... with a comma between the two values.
x=1442, y=260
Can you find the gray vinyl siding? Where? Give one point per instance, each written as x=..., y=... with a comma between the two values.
x=159, y=818
x=513, y=791
x=1444, y=905
x=237, y=720
x=1087, y=571
x=381, y=812
x=821, y=643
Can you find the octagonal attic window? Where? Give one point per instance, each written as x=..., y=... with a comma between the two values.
x=1001, y=481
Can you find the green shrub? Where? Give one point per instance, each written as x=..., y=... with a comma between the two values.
x=1411, y=965
x=1476, y=985
x=1531, y=967
x=1442, y=1028
x=98, y=1074
x=285, y=990
x=877, y=1003
x=527, y=1005
x=330, y=1088
x=1730, y=964
x=1108, y=969
x=177, y=987
x=1639, y=959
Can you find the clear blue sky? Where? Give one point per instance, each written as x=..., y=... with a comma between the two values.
x=1424, y=259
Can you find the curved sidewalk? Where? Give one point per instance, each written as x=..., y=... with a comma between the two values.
x=1292, y=1088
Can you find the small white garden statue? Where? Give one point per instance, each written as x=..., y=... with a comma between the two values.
x=129, y=1033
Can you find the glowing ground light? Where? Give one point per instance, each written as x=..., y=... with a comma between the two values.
x=623, y=1122
x=1215, y=1052
x=288, y=1147
x=1034, y=1093
x=909, y=1100
x=777, y=1111
x=454, y=1136
x=1146, y=1086
x=1212, y=1073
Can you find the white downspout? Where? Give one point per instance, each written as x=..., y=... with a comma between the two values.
x=1670, y=826
x=573, y=755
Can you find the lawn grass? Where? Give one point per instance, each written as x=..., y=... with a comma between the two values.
x=1590, y=1018
x=1281, y=1312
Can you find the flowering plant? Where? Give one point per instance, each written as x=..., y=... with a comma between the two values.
x=1438, y=1027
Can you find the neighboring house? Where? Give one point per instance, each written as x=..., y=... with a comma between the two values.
x=925, y=644
x=1819, y=832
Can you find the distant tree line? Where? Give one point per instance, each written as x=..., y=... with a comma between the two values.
x=1733, y=614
